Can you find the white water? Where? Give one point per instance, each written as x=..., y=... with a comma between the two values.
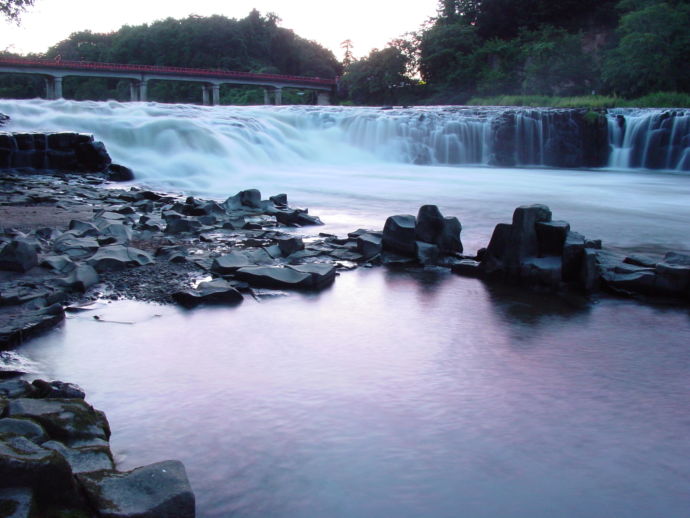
x=354, y=166
x=390, y=394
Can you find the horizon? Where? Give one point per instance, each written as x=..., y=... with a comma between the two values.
x=38, y=30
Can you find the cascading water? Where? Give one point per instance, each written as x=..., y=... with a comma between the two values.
x=650, y=139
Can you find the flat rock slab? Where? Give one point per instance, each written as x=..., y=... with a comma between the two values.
x=160, y=490
x=322, y=274
x=118, y=257
x=63, y=419
x=214, y=292
x=274, y=277
x=25, y=325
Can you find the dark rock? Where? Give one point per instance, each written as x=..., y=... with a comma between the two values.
x=58, y=263
x=75, y=247
x=369, y=245
x=429, y=224
x=296, y=217
x=230, y=263
x=112, y=233
x=118, y=257
x=495, y=254
x=640, y=260
x=24, y=427
x=83, y=460
x=467, y=268
x=17, y=502
x=630, y=283
x=551, y=237
x=119, y=173
x=672, y=279
x=427, y=253
x=523, y=238
x=449, y=239
x=274, y=277
x=57, y=389
x=92, y=156
x=179, y=225
x=19, y=255
x=160, y=490
x=81, y=278
x=63, y=419
x=573, y=252
x=250, y=198
x=541, y=271
x=290, y=244
x=677, y=258
x=590, y=273
x=279, y=200
x=214, y=292
x=595, y=244
x=399, y=234
x=16, y=388
x=29, y=324
x=83, y=228
x=46, y=472
x=321, y=274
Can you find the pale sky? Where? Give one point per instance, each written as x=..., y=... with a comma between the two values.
x=368, y=23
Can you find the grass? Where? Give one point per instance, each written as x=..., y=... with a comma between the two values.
x=655, y=100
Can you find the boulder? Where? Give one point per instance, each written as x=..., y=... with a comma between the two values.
x=551, y=236
x=19, y=255
x=429, y=224
x=275, y=277
x=279, y=200
x=296, y=217
x=81, y=278
x=160, y=490
x=57, y=389
x=26, y=464
x=672, y=279
x=590, y=272
x=523, y=241
x=213, y=292
x=321, y=274
x=64, y=419
x=427, y=253
x=118, y=257
x=119, y=173
x=493, y=258
x=17, y=502
x=251, y=198
x=75, y=247
x=83, y=228
x=449, y=239
x=573, y=252
x=369, y=245
x=289, y=244
x=399, y=234
x=182, y=224
x=83, y=460
x=58, y=263
x=115, y=233
x=230, y=263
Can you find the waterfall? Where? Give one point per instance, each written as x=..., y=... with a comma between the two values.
x=649, y=139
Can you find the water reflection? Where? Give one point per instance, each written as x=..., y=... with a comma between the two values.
x=396, y=394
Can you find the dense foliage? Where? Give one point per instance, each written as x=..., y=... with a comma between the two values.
x=475, y=48
x=253, y=44
x=12, y=9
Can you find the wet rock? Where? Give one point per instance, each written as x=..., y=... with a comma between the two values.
x=29, y=324
x=115, y=233
x=26, y=464
x=17, y=502
x=672, y=279
x=467, y=268
x=160, y=490
x=16, y=388
x=119, y=173
x=83, y=228
x=496, y=253
x=523, y=241
x=251, y=198
x=230, y=263
x=64, y=419
x=677, y=258
x=449, y=240
x=573, y=252
x=551, y=236
x=118, y=257
x=590, y=272
x=180, y=225
x=83, y=460
x=399, y=234
x=640, y=260
x=541, y=271
x=10, y=427
x=290, y=244
x=321, y=274
x=274, y=277
x=58, y=263
x=279, y=200
x=369, y=245
x=429, y=224
x=641, y=282
x=213, y=292
x=75, y=247
x=57, y=389
x=81, y=278
x=296, y=217
x=427, y=253
x=19, y=255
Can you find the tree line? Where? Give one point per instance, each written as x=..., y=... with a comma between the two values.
x=626, y=48
x=256, y=43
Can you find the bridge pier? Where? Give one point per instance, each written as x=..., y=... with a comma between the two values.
x=267, y=99
x=216, y=94
x=50, y=92
x=143, y=85
x=278, y=93
x=57, y=88
x=133, y=94
x=205, y=94
x=323, y=99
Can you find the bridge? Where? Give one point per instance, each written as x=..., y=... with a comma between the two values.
x=54, y=70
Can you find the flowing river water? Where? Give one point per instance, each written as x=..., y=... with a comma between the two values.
x=390, y=394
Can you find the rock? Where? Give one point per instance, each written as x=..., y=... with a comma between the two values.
x=495, y=254
x=677, y=258
x=590, y=273
x=427, y=253
x=523, y=237
x=23, y=427
x=551, y=236
x=274, y=277
x=75, y=247
x=449, y=239
x=160, y=490
x=58, y=263
x=369, y=245
x=81, y=278
x=541, y=271
x=322, y=274
x=57, y=389
x=573, y=252
x=83, y=228
x=16, y=388
x=399, y=234
x=290, y=244
x=29, y=324
x=63, y=419
x=83, y=460
x=429, y=224
x=179, y=225
x=279, y=200
x=17, y=502
x=672, y=279
x=115, y=233
x=467, y=268
x=119, y=173
x=19, y=255
x=46, y=472
x=213, y=292
x=640, y=260
x=118, y=257
x=641, y=282
x=296, y=217
x=230, y=263
x=250, y=198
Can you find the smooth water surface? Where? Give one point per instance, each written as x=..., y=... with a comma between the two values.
x=392, y=394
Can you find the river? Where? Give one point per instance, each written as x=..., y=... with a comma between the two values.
x=389, y=394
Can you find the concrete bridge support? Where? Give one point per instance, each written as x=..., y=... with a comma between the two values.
x=278, y=93
x=267, y=97
x=133, y=91
x=323, y=99
x=50, y=91
x=57, y=88
x=206, y=94
x=216, y=94
x=143, y=87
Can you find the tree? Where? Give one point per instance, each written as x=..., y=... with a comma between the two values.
x=374, y=79
x=348, y=58
x=12, y=9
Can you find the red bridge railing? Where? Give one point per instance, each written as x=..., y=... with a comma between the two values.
x=191, y=72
